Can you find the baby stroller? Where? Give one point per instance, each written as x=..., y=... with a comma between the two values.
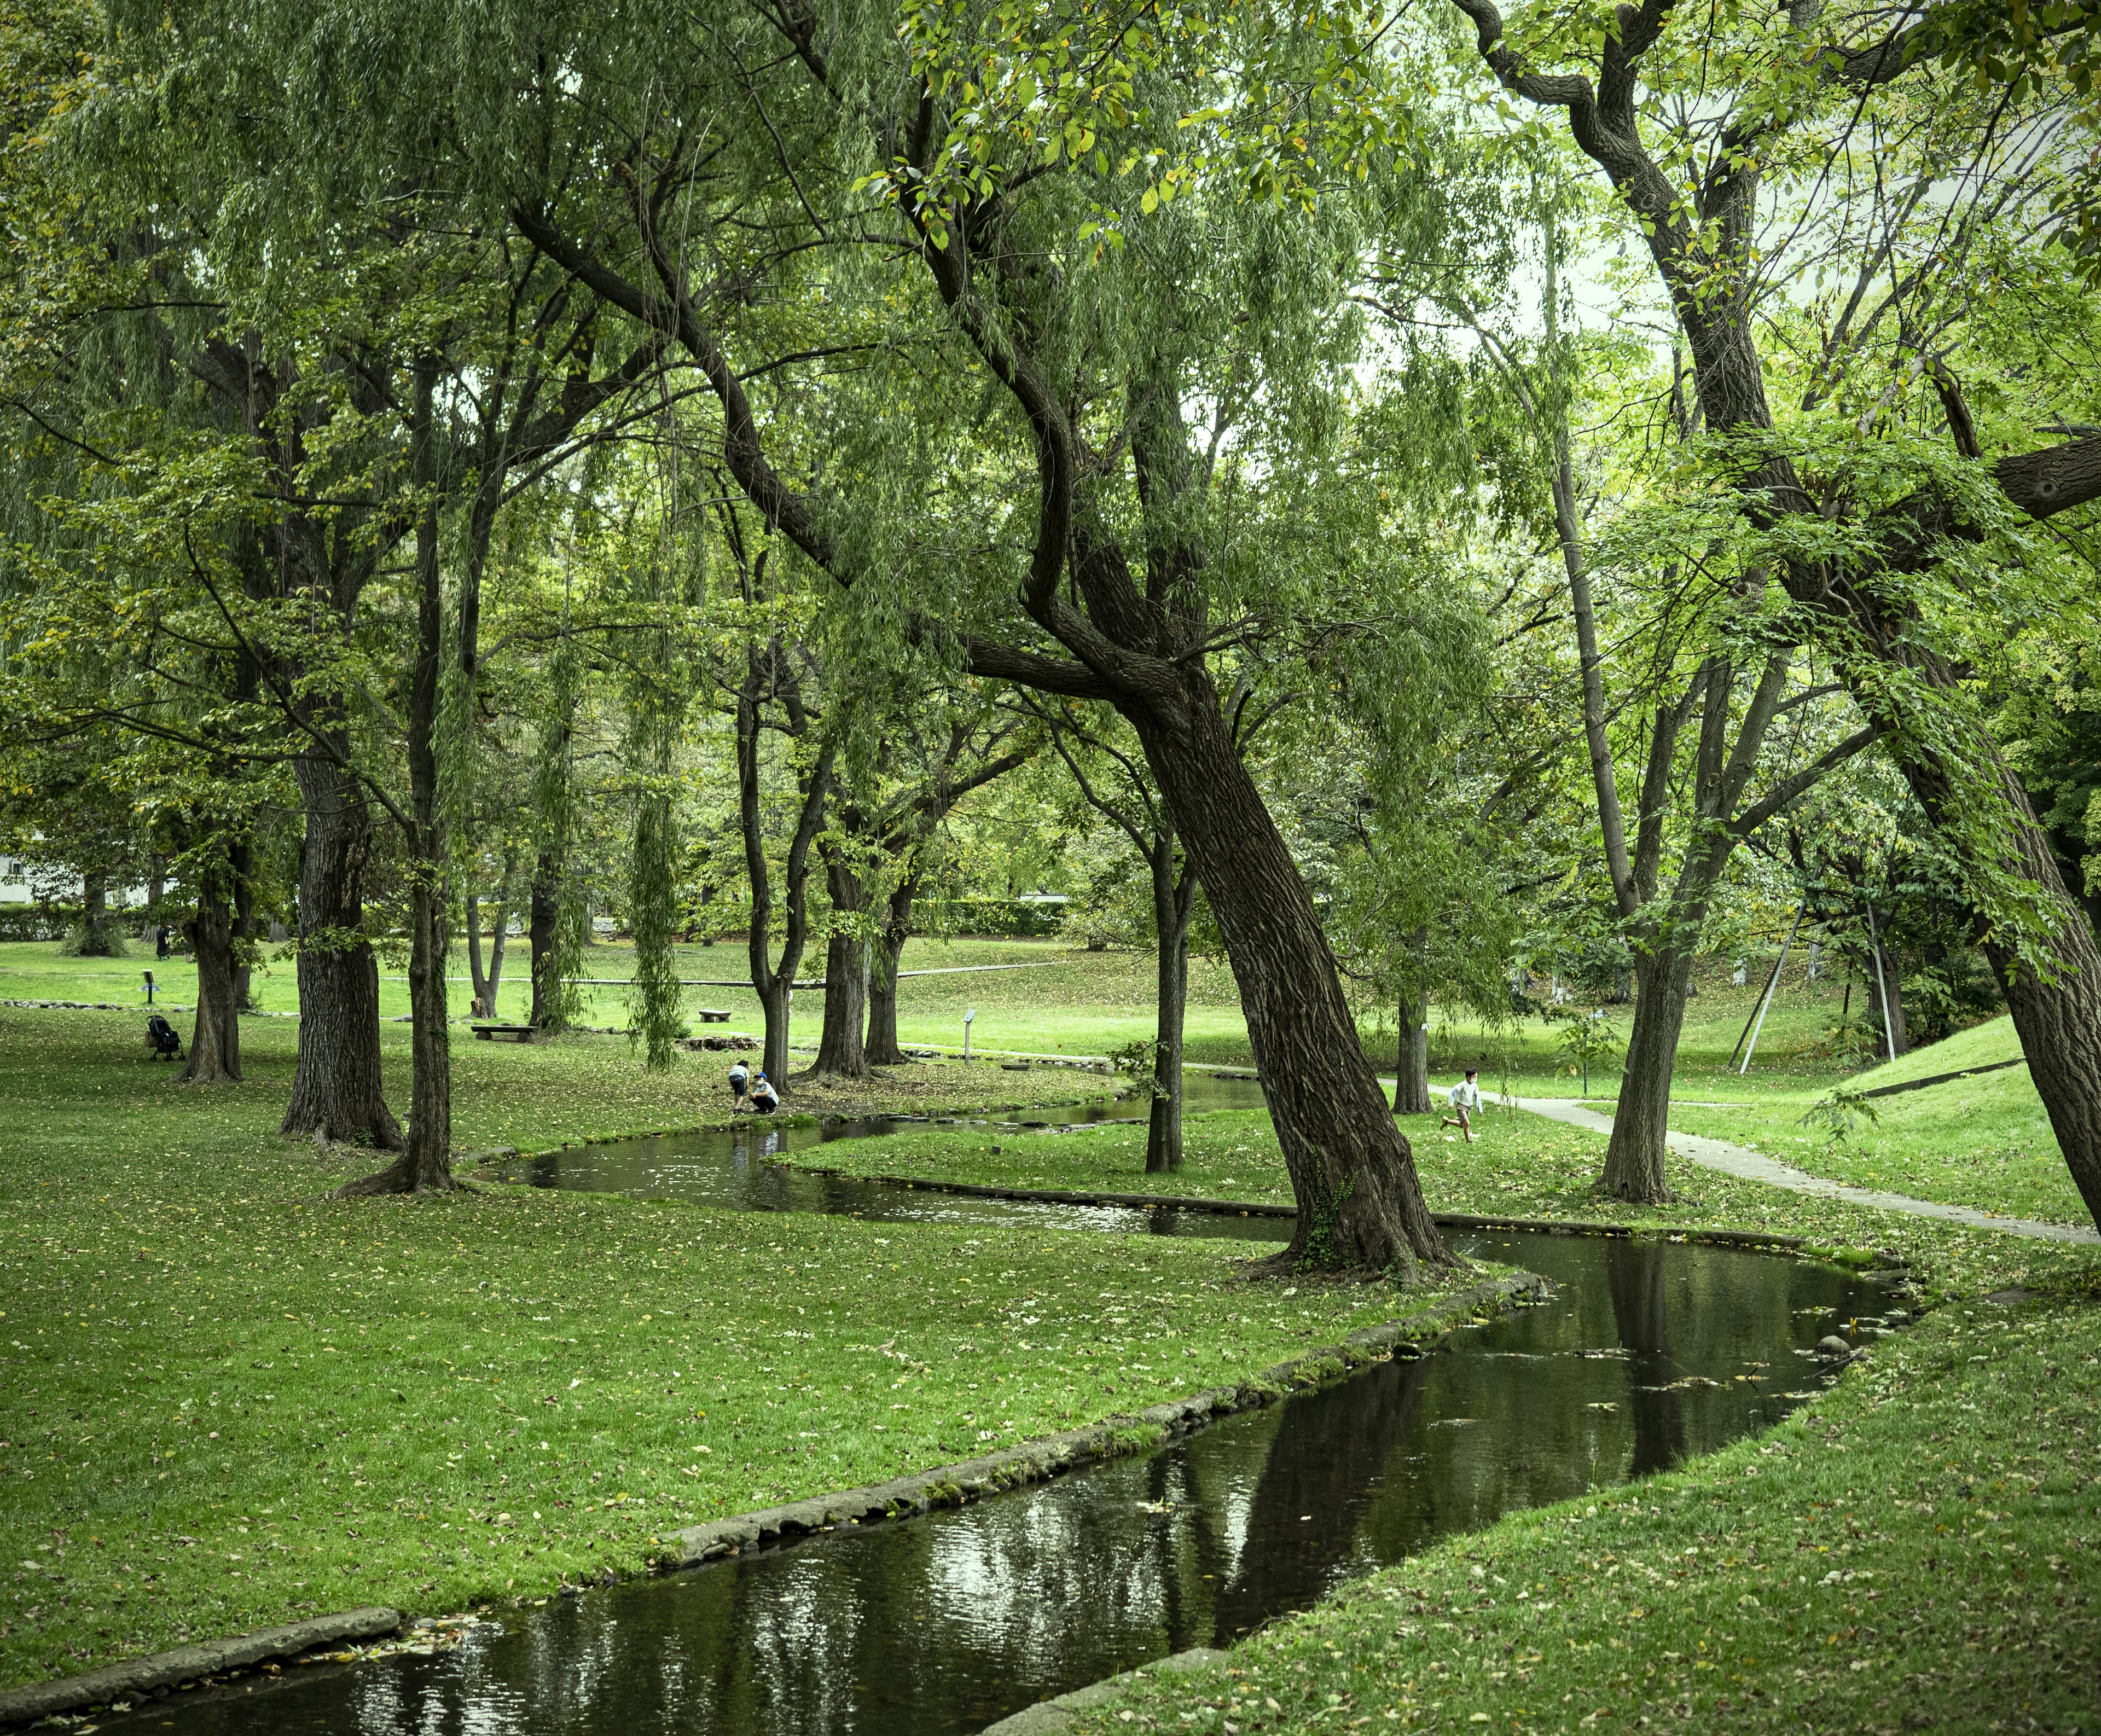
x=162, y=1035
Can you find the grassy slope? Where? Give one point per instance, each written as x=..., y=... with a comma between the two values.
x=1983, y=1141
x=229, y=1399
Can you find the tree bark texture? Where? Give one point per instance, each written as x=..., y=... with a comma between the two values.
x=1411, y=1085
x=842, y=1053
x=1635, y=1155
x=1172, y=899
x=425, y=1163
x=2057, y=1016
x=336, y=1087
x=1886, y=1005
x=240, y=860
x=543, y=911
x=477, y=981
x=1352, y=1171
x=214, y=1056
x=773, y=980
x=97, y=938
x=882, y=1048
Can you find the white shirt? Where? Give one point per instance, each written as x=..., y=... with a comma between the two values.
x=1467, y=1094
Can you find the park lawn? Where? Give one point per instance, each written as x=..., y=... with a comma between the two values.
x=1984, y=1142
x=1919, y=1548
x=232, y=1400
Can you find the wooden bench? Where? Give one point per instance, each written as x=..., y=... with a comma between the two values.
x=508, y=1033
x=710, y=1016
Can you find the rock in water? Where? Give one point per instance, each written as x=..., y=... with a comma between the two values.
x=1833, y=1348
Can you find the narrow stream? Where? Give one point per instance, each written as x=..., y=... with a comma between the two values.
x=1647, y=1353
x=744, y=1169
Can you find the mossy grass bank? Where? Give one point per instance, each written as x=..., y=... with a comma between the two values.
x=231, y=1400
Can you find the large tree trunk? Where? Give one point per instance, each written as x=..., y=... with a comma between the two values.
x=214, y=1056
x=1170, y=920
x=1352, y=1172
x=840, y=1050
x=1411, y=1084
x=543, y=912
x=97, y=939
x=1634, y=1157
x=882, y=1049
x=336, y=1092
x=427, y=1163
x=2058, y=1016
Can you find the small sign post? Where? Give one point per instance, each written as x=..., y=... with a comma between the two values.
x=968, y=1017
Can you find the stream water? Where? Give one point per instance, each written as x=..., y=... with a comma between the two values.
x=1647, y=1353
x=745, y=1169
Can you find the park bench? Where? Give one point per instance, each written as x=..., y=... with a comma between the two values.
x=711, y=1016
x=508, y=1033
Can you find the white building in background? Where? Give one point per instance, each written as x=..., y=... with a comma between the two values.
x=15, y=888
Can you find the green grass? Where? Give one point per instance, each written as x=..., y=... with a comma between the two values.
x=1983, y=1141
x=1919, y=1549
x=1067, y=1002
x=230, y=1400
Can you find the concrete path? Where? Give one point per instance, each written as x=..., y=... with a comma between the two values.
x=1739, y=1161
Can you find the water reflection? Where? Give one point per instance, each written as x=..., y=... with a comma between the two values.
x=946, y=1624
x=744, y=1169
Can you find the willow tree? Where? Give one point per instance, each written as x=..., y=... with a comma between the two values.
x=1120, y=263
x=1870, y=571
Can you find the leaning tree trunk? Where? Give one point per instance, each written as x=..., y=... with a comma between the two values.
x=1641, y=1122
x=2057, y=1015
x=841, y=1052
x=1352, y=1172
x=882, y=1049
x=1411, y=1084
x=336, y=1089
x=214, y=1056
x=1170, y=921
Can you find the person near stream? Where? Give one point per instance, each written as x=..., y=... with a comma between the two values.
x=764, y=1098
x=1465, y=1099
x=740, y=1083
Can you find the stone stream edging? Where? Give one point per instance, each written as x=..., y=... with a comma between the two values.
x=1039, y=1460
x=166, y=1670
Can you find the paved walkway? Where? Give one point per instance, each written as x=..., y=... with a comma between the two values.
x=1739, y=1161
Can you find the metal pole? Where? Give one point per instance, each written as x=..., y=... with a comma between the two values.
x=1773, y=983
x=1882, y=987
